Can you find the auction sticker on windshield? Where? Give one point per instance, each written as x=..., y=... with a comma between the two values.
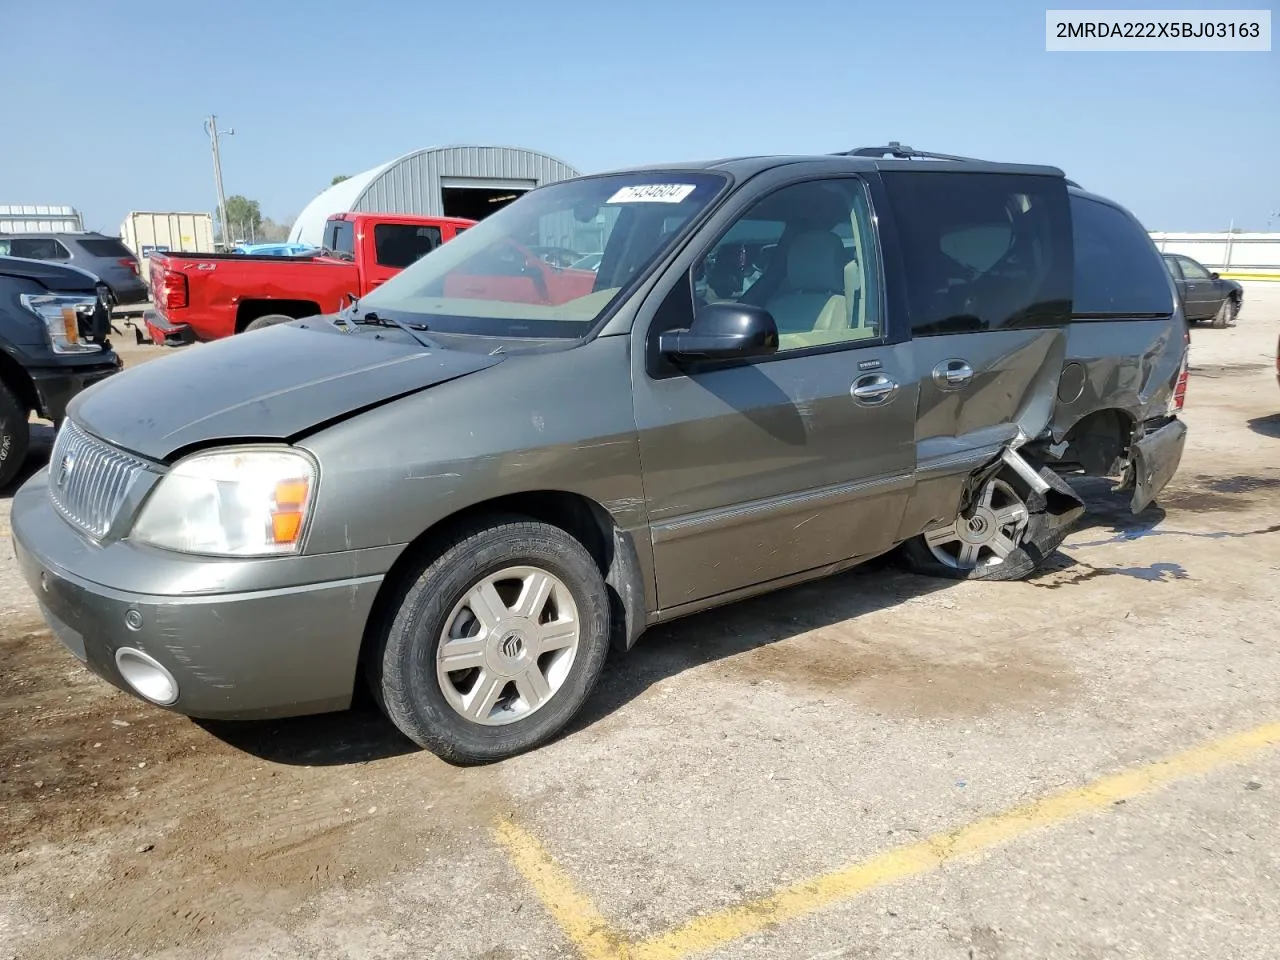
x=652, y=193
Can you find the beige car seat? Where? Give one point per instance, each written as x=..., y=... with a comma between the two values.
x=811, y=309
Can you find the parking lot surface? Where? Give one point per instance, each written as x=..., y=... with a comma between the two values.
x=1084, y=765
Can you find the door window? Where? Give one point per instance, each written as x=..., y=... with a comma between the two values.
x=1192, y=270
x=400, y=244
x=805, y=253
x=983, y=251
x=1174, y=270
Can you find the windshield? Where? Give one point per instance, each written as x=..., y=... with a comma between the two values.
x=552, y=263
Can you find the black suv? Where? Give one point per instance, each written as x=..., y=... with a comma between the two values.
x=54, y=322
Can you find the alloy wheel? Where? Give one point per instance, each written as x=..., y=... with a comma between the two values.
x=508, y=645
x=986, y=535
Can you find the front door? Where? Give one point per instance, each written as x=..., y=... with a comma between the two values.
x=754, y=471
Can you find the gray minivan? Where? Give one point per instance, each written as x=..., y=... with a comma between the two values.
x=107, y=258
x=468, y=486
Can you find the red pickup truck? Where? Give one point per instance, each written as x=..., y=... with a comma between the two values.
x=206, y=296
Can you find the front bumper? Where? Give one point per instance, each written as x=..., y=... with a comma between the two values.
x=1155, y=458
x=57, y=386
x=285, y=651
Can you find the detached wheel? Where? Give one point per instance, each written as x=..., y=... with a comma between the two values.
x=1226, y=315
x=15, y=435
x=1000, y=537
x=270, y=320
x=496, y=644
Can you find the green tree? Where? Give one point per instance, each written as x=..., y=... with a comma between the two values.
x=244, y=218
x=338, y=179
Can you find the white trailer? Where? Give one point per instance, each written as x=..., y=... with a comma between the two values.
x=146, y=231
x=39, y=218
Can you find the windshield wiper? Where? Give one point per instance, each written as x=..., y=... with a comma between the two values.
x=409, y=328
x=344, y=317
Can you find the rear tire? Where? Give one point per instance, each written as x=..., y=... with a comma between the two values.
x=1226, y=315
x=1004, y=535
x=270, y=320
x=15, y=435
x=525, y=612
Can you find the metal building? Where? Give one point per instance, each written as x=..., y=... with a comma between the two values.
x=457, y=181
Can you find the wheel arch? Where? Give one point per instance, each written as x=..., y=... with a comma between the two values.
x=19, y=382
x=250, y=310
x=1098, y=440
x=612, y=548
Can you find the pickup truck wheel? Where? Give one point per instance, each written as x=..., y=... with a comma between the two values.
x=270, y=320
x=496, y=644
x=15, y=435
x=1226, y=315
x=1000, y=537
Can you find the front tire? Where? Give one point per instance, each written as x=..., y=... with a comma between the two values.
x=15, y=435
x=1226, y=315
x=496, y=643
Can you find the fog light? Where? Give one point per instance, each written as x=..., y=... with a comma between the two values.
x=147, y=677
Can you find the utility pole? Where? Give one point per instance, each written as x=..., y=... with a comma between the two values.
x=211, y=129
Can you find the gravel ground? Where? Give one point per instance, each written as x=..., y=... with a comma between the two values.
x=730, y=754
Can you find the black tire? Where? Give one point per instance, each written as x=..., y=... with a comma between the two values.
x=1045, y=530
x=15, y=435
x=1226, y=315
x=270, y=320
x=403, y=669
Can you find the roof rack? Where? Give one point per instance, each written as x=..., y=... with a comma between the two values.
x=899, y=152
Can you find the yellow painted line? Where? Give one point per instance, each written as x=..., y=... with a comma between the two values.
x=585, y=926
x=577, y=916
x=1250, y=276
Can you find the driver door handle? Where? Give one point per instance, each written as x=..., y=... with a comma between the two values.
x=873, y=389
x=952, y=374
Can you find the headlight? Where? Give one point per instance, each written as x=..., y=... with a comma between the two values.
x=61, y=315
x=231, y=503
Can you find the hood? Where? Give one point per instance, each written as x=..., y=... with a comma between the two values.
x=272, y=384
x=54, y=277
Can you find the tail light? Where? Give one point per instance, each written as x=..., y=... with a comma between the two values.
x=1184, y=374
x=172, y=290
x=129, y=264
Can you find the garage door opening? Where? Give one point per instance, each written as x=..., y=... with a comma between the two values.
x=476, y=203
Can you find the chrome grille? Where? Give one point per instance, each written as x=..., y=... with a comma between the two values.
x=89, y=479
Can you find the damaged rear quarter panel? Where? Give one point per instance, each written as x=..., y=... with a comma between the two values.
x=1129, y=365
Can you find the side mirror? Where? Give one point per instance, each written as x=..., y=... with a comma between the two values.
x=1215, y=276
x=723, y=331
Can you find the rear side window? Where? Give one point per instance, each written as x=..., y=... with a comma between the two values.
x=38, y=248
x=400, y=244
x=1119, y=272
x=340, y=237
x=983, y=251
x=106, y=247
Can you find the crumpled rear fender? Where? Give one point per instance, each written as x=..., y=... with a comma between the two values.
x=1154, y=459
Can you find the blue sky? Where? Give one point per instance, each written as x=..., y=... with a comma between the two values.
x=104, y=101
